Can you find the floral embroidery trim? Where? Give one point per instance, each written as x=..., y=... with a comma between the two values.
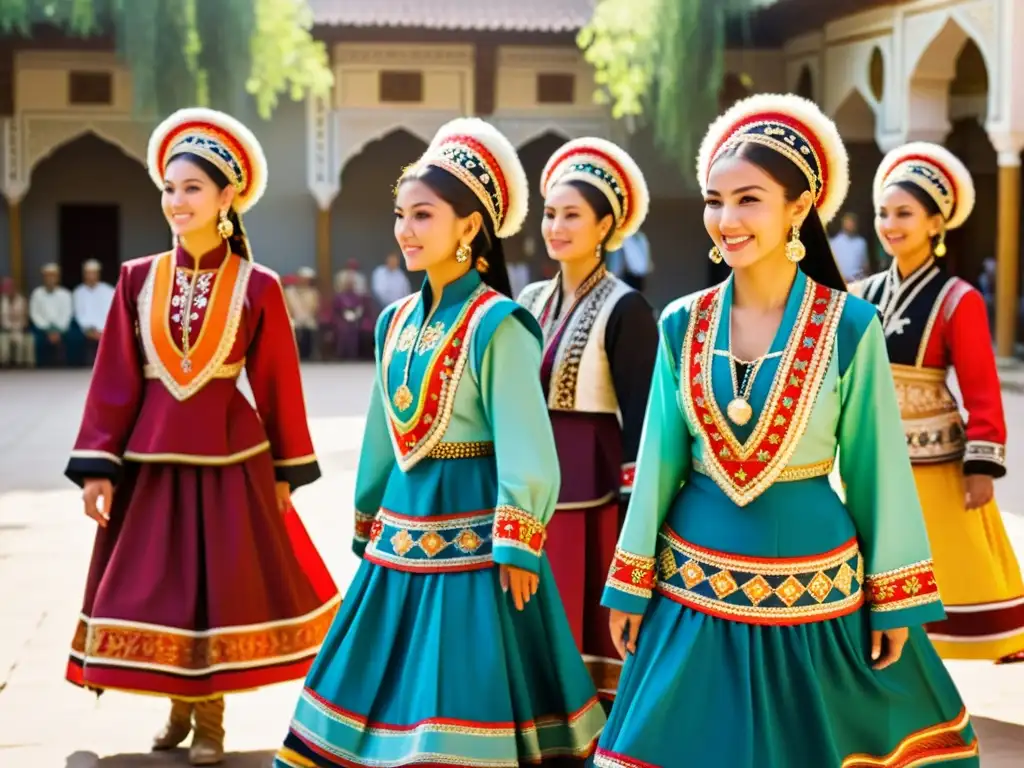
x=364, y=523
x=939, y=743
x=760, y=590
x=415, y=438
x=627, y=477
x=216, y=337
x=908, y=587
x=515, y=527
x=436, y=544
x=745, y=471
x=632, y=574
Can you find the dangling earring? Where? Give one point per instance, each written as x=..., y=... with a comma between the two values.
x=715, y=255
x=795, y=250
x=940, y=247
x=482, y=265
x=462, y=253
x=224, y=226
x=597, y=252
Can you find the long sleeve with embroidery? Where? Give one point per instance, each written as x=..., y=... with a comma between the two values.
x=376, y=462
x=662, y=466
x=115, y=391
x=880, y=492
x=274, y=375
x=524, y=444
x=970, y=350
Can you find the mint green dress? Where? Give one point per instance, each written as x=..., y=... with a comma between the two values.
x=428, y=661
x=758, y=585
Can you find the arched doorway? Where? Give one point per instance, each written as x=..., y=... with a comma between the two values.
x=362, y=215
x=855, y=120
x=89, y=200
x=528, y=246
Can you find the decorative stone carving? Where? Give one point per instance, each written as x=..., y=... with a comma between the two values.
x=323, y=182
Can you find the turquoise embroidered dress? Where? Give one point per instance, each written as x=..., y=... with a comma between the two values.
x=759, y=587
x=428, y=661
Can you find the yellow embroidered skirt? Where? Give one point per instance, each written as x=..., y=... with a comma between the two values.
x=978, y=574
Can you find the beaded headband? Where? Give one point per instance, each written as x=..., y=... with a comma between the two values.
x=217, y=138
x=479, y=155
x=795, y=128
x=934, y=170
x=611, y=171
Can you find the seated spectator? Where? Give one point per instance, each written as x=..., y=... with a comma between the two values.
x=92, y=301
x=303, y=299
x=50, y=309
x=17, y=347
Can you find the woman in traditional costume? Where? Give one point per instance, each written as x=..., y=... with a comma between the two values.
x=600, y=342
x=767, y=623
x=934, y=322
x=203, y=581
x=452, y=647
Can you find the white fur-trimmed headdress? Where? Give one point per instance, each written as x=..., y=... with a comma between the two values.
x=480, y=156
x=609, y=169
x=794, y=127
x=936, y=171
x=217, y=138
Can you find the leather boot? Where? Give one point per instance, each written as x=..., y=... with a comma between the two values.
x=208, y=741
x=177, y=728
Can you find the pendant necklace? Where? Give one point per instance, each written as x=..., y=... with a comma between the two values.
x=739, y=409
x=403, y=395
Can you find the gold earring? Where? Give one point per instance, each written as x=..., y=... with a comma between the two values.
x=795, y=250
x=597, y=251
x=224, y=226
x=940, y=247
x=462, y=253
x=715, y=255
x=482, y=265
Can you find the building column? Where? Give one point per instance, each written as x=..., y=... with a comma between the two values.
x=1008, y=148
x=324, y=265
x=323, y=178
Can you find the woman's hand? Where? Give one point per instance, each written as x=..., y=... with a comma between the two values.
x=522, y=584
x=94, y=491
x=284, y=497
x=895, y=639
x=979, y=491
x=625, y=627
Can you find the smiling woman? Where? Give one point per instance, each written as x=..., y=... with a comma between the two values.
x=189, y=484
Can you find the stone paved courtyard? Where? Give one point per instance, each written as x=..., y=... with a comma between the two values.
x=44, y=548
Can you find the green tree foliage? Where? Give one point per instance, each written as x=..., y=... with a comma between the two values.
x=187, y=52
x=662, y=62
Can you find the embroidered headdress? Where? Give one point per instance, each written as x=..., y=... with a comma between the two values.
x=217, y=138
x=936, y=171
x=480, y=156
x=794, y=127
x=612, y=171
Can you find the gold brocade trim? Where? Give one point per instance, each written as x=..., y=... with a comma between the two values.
x=197, y=459
x=632, y=574
x=477, y=449
x=148, y=646
x=298, y=461
x=517, y=528
x=226, y=371
x=932, y=423
x=790, y=474
x=87, y=454
x=907, y=587
x=745, y=470
x=938, y=744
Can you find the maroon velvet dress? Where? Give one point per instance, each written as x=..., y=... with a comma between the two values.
x=597, y=368
x=199, y=586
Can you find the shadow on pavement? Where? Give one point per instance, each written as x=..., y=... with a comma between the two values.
x=172, y=759
x=1002, y=743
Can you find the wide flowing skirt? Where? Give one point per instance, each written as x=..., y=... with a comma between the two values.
x=703, y=691
x=580, y=547
x=978, y=574
x=199, y=586
x=441, y=669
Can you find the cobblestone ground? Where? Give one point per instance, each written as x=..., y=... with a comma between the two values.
x=44, y=549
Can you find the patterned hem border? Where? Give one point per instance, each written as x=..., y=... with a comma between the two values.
x=939, y=743
x=632, y=574
x=515, y=527
x=908, y=587
x=605, y=759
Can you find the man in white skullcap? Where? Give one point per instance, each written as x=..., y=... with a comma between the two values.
x=50, y=309
x=303, y=299
x=92, y=303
